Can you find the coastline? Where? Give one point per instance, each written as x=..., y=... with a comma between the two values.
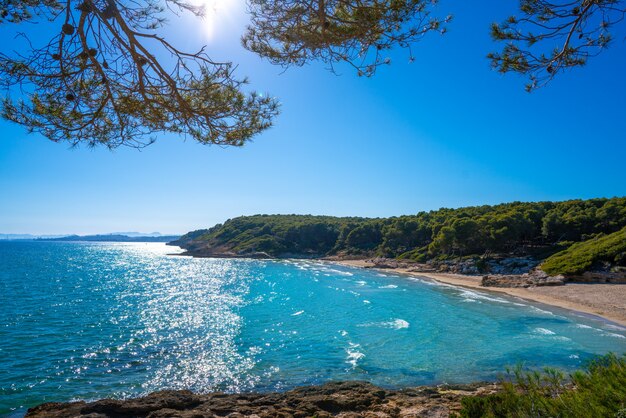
x=598, y=299
x=338, y=398
x=601, y=300
x=333, y=399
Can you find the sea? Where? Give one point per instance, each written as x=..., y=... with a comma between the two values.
x=84, y=321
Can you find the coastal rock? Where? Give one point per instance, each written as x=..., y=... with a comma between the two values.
x=511, y=265
x=467, y=266
x=422, y=268
x=535, y=277
x=494, y=266
x=388, y=263
x=464, y=267
x=337, y=399
x=599, y=277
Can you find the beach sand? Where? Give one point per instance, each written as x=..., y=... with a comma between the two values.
x=605, y=300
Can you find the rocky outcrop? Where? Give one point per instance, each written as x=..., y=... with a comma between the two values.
x=468, y=266
x=535, y=277
x=503, y=272
x=494, y=265
x=340, y=399
x=511, y=265
x=538, y=277
x=388, y=263
x=458, y=266
x=599, y=277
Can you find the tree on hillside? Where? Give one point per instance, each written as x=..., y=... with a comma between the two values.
x=101, y=79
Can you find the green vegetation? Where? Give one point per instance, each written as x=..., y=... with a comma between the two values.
x=582, y=256
x=597, y=391
x=278, y=235
x=538, y=229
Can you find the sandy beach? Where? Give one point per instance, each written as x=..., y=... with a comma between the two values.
x=604, y=300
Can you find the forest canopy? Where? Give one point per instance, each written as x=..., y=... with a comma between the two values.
x=539, y=229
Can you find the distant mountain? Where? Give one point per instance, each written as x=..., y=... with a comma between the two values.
x=8, y=237
x=137, y=234
x=114, y=238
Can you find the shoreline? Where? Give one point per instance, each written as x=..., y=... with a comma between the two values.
x=572, y=296
x=332, y=399
x=588, y=299
x=335, y=398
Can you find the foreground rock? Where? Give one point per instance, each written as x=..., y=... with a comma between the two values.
x=340, y=399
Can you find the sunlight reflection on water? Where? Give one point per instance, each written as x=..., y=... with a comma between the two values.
x=85, y=320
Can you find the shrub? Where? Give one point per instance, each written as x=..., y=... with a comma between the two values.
x=582, y=256
x=599, y=390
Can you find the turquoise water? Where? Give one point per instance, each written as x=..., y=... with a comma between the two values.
x=86, y=321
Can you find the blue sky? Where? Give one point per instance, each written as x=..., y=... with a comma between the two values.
x=444, y=131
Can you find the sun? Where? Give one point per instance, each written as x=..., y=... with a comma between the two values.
x=215, y=13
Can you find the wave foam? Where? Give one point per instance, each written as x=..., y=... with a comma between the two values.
x=353, y=354
x=536, y=309
x=395, y=324
x=468, y=294
x=615, y=327
x=334, y=271
x=544, y=331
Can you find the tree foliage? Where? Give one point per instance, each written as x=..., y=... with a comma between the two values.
x=519, y=228
x=544, y=39
x=357, y=32
x=276, y=235
x=549, y=37
x=98, y=79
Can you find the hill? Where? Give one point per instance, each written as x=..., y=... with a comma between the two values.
x=535, y=229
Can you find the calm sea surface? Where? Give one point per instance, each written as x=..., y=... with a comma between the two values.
x=91, y=320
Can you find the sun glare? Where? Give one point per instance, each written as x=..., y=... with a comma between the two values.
x=215, y=14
